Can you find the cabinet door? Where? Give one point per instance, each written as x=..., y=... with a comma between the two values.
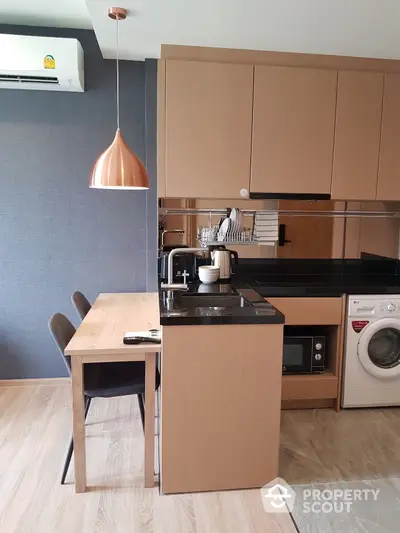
x=208, y=129
x=389, y=160
x=293, y=129
x=357, y=135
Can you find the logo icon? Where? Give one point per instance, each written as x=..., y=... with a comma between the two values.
x=49, y=62
x=278, y=496
x=359, y=325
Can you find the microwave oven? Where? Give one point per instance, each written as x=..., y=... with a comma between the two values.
x=303, y=354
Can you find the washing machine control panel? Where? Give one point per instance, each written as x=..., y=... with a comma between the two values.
x=360, y=307
x=389, y=308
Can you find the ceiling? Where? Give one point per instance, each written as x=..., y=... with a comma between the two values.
x=57, y=13
x=366, y=28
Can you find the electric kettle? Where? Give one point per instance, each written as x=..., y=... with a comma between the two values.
x=222, y=258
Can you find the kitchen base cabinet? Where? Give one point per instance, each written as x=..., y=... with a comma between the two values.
x=309, y=311
x=319, y=390
x=220, y=406
x=310, y=387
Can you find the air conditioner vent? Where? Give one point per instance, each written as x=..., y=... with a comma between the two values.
x=27, y=79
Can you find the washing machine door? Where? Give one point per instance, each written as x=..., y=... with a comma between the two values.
x=379, y=348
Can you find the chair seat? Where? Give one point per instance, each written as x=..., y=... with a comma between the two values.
x=105, y=380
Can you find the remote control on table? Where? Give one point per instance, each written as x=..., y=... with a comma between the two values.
x=151, y=336
x=139, y=340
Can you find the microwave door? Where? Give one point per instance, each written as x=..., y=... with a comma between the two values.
x=297, y=355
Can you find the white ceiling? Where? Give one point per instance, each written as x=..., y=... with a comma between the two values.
x=54, y=13
x=366, y=28
x=369, y=28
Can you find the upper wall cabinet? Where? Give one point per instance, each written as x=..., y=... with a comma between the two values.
x=208, y=115
x=293, y=130
x=225, y=129
x=389, y=160
x=357, y=135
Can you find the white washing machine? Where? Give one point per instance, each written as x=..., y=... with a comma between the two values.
x=371, y=372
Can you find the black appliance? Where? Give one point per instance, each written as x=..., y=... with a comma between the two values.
x=303, y=354
x=186, y=262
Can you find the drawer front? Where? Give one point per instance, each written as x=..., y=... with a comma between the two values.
x=309, y=387
x=309, y=311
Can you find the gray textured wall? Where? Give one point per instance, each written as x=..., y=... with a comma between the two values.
x=57, y=235
x=151, y=164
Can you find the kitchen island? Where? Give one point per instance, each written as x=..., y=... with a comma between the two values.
x=221, y=375
x=220, y=386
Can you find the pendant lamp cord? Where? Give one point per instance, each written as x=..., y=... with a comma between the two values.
x=117, y=72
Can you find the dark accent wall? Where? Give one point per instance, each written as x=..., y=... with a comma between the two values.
x=57, y=235
x=151, y=165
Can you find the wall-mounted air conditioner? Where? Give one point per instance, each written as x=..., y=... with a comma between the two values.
x=41, y=63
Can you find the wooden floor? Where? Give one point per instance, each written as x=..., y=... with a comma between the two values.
x=35, y=427
x=354, y=450
x=322, y=446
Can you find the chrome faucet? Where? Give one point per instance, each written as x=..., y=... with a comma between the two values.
x=180, y=231
x=178, y=286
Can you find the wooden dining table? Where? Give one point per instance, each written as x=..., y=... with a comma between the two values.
x=99, y=339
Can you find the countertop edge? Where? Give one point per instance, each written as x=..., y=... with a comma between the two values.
x=260, y=312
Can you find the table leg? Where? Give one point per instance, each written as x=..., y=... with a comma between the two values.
x=149, y=415
x=78, y=422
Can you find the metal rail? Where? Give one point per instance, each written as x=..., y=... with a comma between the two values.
x=164, y=211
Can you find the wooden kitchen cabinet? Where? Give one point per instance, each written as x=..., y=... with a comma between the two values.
x=293, y=130
x=221, y=399
x=208, y=116
x=309, y=311
x=389, y=160
x=328, y=314
x=357, y=135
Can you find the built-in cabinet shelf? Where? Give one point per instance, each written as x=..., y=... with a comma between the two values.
x=227, y=130
x=328, y=316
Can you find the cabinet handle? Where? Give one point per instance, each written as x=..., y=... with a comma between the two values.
x=282, y=235
x=244, y=193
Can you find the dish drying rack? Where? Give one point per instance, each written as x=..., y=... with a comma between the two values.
x=263, y=229
x=208, y=236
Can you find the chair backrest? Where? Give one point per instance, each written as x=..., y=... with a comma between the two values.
x=81, y=304
x=62, y=331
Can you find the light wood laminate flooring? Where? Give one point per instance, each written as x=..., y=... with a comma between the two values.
x=322, y=446
x=35, y=428
x=353, y=450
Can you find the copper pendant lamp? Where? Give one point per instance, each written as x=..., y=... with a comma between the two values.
x=118, y=167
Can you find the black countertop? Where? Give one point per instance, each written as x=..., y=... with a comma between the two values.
x=323, y=287
x=319, y=277
x=245, y=306
x=256, y=279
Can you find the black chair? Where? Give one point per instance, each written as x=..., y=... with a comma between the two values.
x=81, y=304
x=101, y=380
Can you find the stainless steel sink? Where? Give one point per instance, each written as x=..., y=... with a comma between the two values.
x=222, y=301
